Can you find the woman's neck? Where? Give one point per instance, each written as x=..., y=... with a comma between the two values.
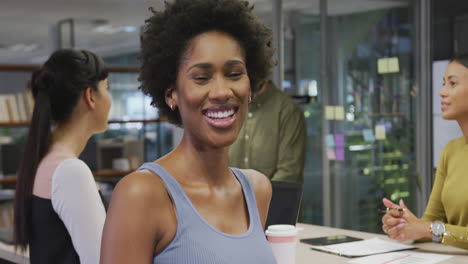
x=73, y=135
x=207, y=165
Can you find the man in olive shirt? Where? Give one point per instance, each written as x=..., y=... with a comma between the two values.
x=273, y=138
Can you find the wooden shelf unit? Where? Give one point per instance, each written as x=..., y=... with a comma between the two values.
x=21, y=124
x=111, y=173
x=14, y=124
x=8, y=180
x=27, y=67
x=98, y=174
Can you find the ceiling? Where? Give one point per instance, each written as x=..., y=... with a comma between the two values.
x=28, y=27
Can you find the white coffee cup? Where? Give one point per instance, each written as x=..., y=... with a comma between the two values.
x=282, y=239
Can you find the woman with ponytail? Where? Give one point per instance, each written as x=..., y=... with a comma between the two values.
x=59, y=212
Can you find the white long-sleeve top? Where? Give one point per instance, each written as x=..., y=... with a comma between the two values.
x=76, y=200
x=69, y=184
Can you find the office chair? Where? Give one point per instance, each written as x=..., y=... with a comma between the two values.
x=11, y=155
x=285, y=203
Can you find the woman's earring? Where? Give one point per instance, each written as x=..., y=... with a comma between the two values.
x=172, y=107
x=250, y=98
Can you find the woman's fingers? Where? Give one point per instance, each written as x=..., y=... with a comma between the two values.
x=385, y=228
x=392, y=221
x=402, y=204
x=395, y=231
x=395, y=213
x=393, y=217
x=388, y=203
x=401, y=237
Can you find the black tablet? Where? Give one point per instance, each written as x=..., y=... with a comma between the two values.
x=329, y=240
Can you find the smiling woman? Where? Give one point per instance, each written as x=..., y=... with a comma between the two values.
x=455, y=91
x=212, y=90
x=202, y=60
x=445, y=219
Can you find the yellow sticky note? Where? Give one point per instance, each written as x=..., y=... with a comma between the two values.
x=382, y=65
x=393, y=64
x=329, y=112
x=339, y=112
x=380, y=132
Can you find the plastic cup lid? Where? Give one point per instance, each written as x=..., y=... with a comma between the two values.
x=281, y=230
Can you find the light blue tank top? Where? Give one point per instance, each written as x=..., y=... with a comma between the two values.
x=197, y=242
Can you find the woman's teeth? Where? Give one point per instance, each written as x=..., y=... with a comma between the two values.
x=221, y=114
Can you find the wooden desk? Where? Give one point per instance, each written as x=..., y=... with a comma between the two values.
x=305, y=255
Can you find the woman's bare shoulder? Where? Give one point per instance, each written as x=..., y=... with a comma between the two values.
x=260, y=182
x=141, y=187
x=263, y=191
x=139, y=216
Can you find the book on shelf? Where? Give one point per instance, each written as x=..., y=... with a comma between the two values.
x=3, y=110
x=21, y=107
x=16, y=108
x=13, y=112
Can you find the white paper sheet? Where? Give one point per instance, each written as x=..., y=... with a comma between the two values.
x=402, y=257
x=364, y=247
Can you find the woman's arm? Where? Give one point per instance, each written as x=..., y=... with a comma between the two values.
x=76, y=200
x=406, y=226
x=131, y=228
x=456, y=236
x=412, y=228
x=435, y=209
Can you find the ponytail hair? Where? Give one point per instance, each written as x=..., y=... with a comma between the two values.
x=56, y=87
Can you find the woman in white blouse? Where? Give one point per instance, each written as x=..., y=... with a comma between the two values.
x=59, y=212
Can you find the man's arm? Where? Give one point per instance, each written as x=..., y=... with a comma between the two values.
x=292, y=145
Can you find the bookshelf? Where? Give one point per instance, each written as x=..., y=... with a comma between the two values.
x=26, y=123
x=8, y=180
x=14, y=124
x=99, y=175
x=111, y=173
x=162, y=119
x=140, y=122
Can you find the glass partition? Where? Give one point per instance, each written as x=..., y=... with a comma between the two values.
x=302, y=80
x=369, y=109
x=371, y=87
